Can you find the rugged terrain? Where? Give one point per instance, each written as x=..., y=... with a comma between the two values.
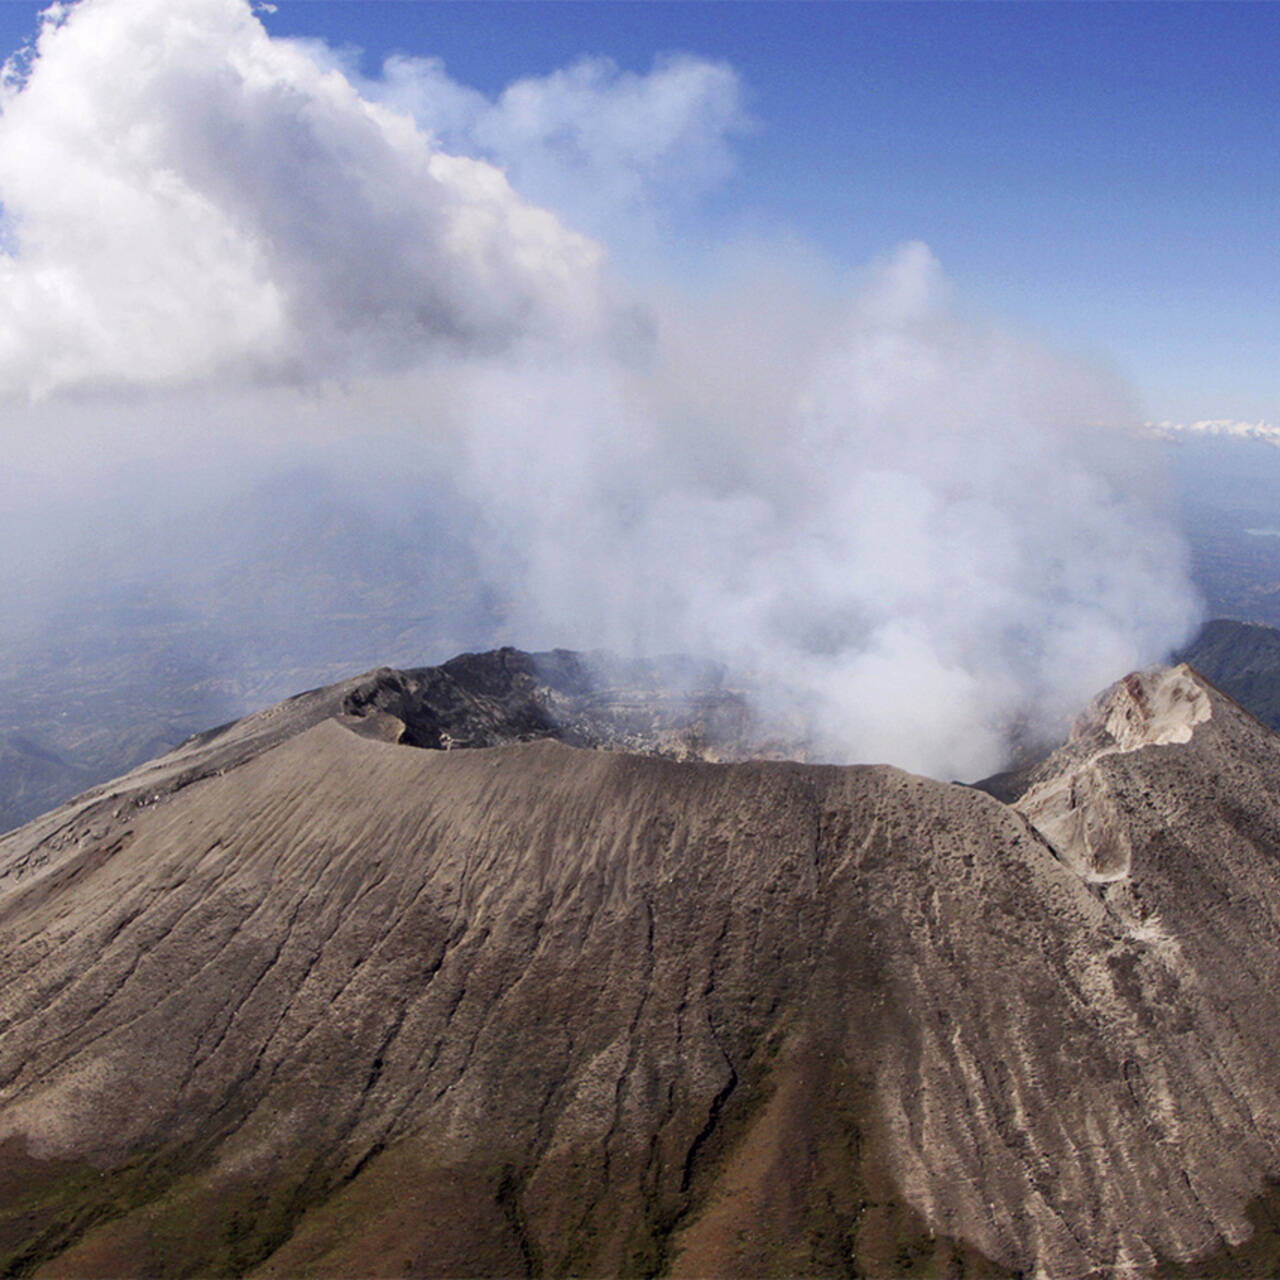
x=298, y=999
x=1243, y=659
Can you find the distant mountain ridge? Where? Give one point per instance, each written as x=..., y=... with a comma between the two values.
x=1230, y=427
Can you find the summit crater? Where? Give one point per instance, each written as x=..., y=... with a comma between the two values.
x=294, y=1000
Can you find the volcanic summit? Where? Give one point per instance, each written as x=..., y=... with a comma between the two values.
x=600, y=996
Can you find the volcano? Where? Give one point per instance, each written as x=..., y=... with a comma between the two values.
x=527, y=965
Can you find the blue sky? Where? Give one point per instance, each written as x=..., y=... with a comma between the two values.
x=711, y=369
x=1103, y=174
x=1106, y=173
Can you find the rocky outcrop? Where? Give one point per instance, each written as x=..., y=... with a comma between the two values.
x=297, y=1000
x=1067, y=797
x=674, y=708
x=1242, y=659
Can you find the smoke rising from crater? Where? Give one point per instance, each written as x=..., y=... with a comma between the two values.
x=917, y=528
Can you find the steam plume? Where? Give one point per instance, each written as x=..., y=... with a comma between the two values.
x=918, y=528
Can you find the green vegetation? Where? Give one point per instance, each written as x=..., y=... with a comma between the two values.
x=1258, y=1258
x=154, y=1211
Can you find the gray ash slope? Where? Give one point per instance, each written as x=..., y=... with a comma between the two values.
x=296, y=1000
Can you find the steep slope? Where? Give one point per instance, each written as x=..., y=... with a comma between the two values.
x=301, y=1001
x=678, y=709
x=1242, y=658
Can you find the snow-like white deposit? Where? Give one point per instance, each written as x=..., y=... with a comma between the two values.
x=1155, y=708
x=1073, y=809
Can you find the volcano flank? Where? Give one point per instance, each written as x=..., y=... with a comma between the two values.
x=607, y=993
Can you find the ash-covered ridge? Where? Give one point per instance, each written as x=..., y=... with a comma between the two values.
x=294, y=1000
x=675, y=708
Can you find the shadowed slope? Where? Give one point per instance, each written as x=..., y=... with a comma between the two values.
x=1242, y=658
x=345, y=1008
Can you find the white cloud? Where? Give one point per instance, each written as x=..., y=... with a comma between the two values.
x=607, y=148
x=916, y=528
x=188, y=196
